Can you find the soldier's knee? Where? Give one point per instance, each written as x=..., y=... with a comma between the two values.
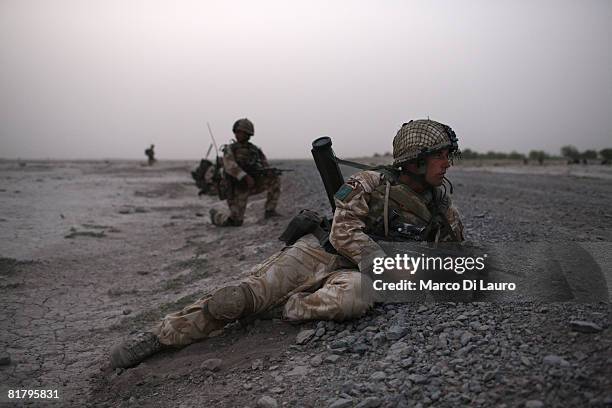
x=354, y=293
x=230, y=303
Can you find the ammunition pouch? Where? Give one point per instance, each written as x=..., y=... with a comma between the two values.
x=308, y=222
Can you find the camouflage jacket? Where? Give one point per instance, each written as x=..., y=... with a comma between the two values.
x=240, y=159
x=356, y=202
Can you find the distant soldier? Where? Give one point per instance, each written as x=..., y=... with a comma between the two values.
x=247, y=170
x=150, y=153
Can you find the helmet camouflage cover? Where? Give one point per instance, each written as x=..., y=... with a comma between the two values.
x=419, y=138
x=245, y=126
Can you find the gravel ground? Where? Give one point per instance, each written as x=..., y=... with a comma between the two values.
x=93, y=251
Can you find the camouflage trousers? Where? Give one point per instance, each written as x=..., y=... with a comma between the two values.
x=239, y=196
x=308, y=282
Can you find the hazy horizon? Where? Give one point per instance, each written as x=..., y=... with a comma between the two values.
x=104, y=79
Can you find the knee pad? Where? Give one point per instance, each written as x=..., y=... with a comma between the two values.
x=230, y=303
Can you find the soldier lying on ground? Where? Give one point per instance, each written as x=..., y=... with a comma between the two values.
x=304, y=281
x=248, y=172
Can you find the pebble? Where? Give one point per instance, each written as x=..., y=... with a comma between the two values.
x=332, y=358
x=584, y=326
x=127, y=311
x=5, y=358
x=534, y=404
x=316, y=361
x=417, y=379
x=466, y=337
x=298, y=371
x=396, y=332
x=267, y=402
x=212, y=364
x=370, y=402
x=555, y=360
x=378, y=376
x=303, y=336
x=341, y=403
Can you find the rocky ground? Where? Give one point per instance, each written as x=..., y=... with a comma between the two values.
x=93, y=251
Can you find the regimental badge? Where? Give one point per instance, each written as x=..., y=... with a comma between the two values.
x=344, y=193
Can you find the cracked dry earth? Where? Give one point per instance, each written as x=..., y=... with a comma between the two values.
x=93, y=251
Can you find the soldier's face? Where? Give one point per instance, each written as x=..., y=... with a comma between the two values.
x=437, y=164
x=241, y=136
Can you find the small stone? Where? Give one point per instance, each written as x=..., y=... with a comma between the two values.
x=465, y=350
x=257, y=364
x=277, y=390
x=466, y=337
x=378, y=376
x=316, y=361
x=370, y=402
x=127, y=311
x=267, y=402
x=359, y=348
x=298, y=371
x=417, y=379
x=303, y=336
x=489, y=375
x=378, y=339
x=407, y=362
x=212, y=364
x=584, y=326
x=396, y=332
x=332, y=358
x=247, y=386
x=555, y=360
x=341, y=403
x=5, y=359
x=534, y=404
x=320, y=332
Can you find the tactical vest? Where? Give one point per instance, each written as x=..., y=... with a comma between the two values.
x=248, y=156
x=420, y=217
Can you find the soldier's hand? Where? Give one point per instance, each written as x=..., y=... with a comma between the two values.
x=250, y=181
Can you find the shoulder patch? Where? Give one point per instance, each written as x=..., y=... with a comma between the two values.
x=344, y=192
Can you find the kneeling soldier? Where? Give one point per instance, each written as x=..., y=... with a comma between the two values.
x=248, y=172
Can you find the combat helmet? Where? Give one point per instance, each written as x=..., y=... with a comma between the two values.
x=419, y=138
x=245, y=126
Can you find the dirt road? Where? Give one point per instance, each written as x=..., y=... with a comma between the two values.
x=92, y=251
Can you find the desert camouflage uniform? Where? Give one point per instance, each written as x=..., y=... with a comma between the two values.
x=237, y=163
x=312, y=283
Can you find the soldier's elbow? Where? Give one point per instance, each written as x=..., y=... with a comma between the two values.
x=333, y=237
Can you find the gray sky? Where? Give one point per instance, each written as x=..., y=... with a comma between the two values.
x=103, y=79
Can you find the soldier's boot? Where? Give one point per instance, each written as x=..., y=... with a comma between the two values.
x=134, y=350
x=271, y=214
x=230, y=303
x=228, y=222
